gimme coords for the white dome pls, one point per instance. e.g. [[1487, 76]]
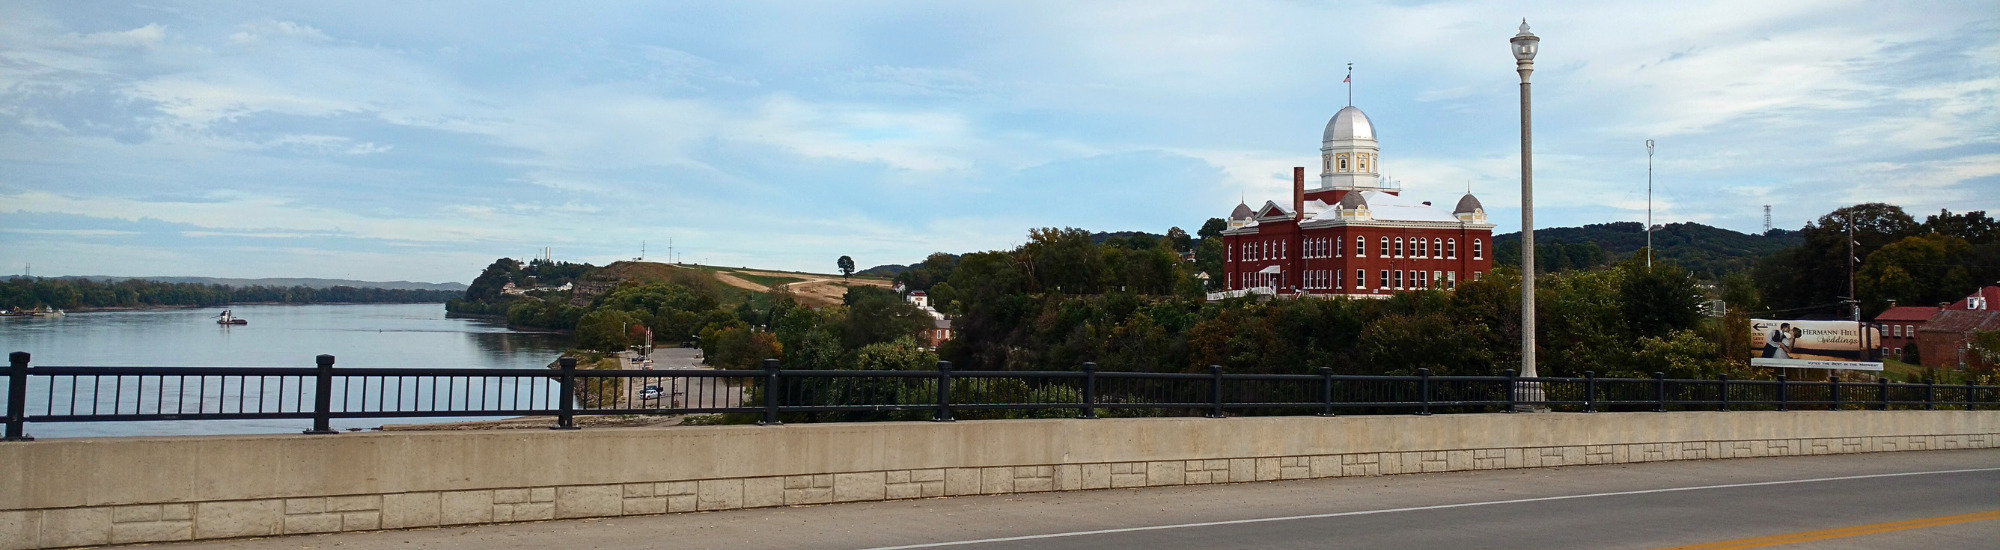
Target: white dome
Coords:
[[1347, 124]]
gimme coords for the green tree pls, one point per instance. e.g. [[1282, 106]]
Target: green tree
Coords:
[[1213, 228], [878, 315], [846, 265], [605, 330]]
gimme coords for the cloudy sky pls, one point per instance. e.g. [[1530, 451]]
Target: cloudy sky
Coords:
[[420, 140]]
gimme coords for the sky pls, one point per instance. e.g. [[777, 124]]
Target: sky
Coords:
[[422, 140]]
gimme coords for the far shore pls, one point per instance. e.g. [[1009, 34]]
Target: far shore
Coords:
[[230, 305]]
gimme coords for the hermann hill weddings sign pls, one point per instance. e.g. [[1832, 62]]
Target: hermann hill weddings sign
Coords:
[[1814, 344]]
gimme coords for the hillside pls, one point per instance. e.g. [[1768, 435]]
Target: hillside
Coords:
[[1709, 252], [737, 284]]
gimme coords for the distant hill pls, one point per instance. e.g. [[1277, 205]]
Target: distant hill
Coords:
[[884, 270], [1709, 252], [280, 282]]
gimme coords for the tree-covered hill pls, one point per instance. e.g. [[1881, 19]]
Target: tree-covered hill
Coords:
[[1708, 252]]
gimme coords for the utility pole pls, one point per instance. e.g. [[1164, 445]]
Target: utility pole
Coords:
[[1649, 204]]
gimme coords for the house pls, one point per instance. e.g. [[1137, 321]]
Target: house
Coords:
[[1987, 298], [1354, 234], [1899, 327], [939, 330], [1945, 341]]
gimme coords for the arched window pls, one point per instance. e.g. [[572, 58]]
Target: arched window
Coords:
[[1478, 250], [1437, 248], [1341, 159], [1360, 249], [1229, 253], [1339, 248], [1337, 276], [1326, 162], [1385, 247], [1399, 247], [1451, 248], [1363, 158]]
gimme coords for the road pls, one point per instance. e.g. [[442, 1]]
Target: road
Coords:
[[1936, 499]]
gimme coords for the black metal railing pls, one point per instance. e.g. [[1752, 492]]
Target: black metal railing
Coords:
[[322, 392]]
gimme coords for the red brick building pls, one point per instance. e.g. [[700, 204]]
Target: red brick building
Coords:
[[1944, 341], [1352, 235], [1899, 327]]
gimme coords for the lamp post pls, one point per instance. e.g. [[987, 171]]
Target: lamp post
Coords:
[[1524, 45]]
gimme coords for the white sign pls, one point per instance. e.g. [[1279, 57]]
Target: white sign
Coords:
[[1814, 344]]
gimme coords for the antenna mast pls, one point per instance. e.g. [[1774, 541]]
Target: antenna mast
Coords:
[[1767, 218]]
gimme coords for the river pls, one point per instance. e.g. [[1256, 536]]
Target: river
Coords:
[[359, 335]]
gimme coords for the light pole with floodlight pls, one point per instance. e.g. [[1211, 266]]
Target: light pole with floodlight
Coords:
[[1525, 45]]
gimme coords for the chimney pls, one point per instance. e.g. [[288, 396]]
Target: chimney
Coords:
[[1299, 191]]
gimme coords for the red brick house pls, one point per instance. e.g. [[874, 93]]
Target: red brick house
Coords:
[[1984, 299], [1899, 327], [1352, 235], [1944, 342]]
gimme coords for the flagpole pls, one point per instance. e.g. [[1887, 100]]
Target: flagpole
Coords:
[[1350, 84]]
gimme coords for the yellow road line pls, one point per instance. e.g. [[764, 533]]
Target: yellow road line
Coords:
[[1844, 532]]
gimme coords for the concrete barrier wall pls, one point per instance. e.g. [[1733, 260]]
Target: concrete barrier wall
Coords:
[[57, 493]]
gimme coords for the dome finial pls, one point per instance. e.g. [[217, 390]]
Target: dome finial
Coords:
[[1524, 28]]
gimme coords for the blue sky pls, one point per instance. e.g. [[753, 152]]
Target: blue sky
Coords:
[[420, 140]]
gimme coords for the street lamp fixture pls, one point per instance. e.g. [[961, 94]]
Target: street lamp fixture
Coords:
[[1525, 45]]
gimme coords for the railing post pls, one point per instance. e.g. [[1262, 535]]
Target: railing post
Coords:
[[1326, 391], [1882, 391], [1424, 392], [1660, 391], [1969, 388], [943, 393], [323, 397], [1930, 394], [1215, 391], [1089, 391], [17, 397], [1589, 392], [566, 405], [1722, 394], [770, 393], [1783, 399], [1513, 385], [1833, 388]]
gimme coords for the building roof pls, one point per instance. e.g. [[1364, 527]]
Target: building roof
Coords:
[[1386, 207], [1907, 314], [1347, 124], [1353, 200], [1959, 321], [1242, 212], [1991, 294], [1466, 204]]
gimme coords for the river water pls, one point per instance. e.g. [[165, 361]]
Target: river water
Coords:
[[365, 335]]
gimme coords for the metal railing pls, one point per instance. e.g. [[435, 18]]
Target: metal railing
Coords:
[[321, 393]]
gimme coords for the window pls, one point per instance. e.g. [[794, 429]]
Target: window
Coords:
[[1477, 275], [1230, 281], [1384, 280], [1437, 276], [1360, 249], [1417, 248], [1399, 247], [1284, 249], [1399, 278], [1451, 279], [1341, 159], [1326, 162], [1385, 247], [1478, 250], [1229, 253], [1451, 248], [1360, 278], [1363, 158], [1437, 248], [1339, 247], [1337, 276]]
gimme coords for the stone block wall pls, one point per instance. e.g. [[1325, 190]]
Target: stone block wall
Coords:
[[517, 498]]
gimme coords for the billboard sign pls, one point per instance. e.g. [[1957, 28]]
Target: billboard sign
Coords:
[[1814, 344]]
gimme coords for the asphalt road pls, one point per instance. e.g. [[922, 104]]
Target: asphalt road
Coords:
[[1935, 499]]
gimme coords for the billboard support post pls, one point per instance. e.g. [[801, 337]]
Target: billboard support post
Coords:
[[1722, 393], [1782, 398], [1930, 394], [1834, 388]]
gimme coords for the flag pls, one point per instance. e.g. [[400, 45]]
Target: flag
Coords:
[[1348, 80]]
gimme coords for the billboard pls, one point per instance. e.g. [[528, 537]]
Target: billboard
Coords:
[[1814, 344]]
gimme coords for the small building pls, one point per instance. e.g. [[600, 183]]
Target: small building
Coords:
[[1945, 342], [1899, 327], [939, 329], [1984, 299]]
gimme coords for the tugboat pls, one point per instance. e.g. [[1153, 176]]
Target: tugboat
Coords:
[[227, 319]]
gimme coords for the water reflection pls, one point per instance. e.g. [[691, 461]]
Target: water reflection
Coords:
[[385, 335]]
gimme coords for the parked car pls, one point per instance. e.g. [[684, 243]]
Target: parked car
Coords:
[[649, 393]]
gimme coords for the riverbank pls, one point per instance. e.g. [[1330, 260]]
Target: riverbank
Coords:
[[164, 307]]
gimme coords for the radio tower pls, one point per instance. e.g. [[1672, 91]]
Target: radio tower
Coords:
[[1767, 218]]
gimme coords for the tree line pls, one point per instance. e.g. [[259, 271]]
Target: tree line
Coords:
[[64, 293]]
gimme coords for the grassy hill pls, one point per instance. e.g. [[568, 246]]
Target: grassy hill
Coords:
[[1708, 251]]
